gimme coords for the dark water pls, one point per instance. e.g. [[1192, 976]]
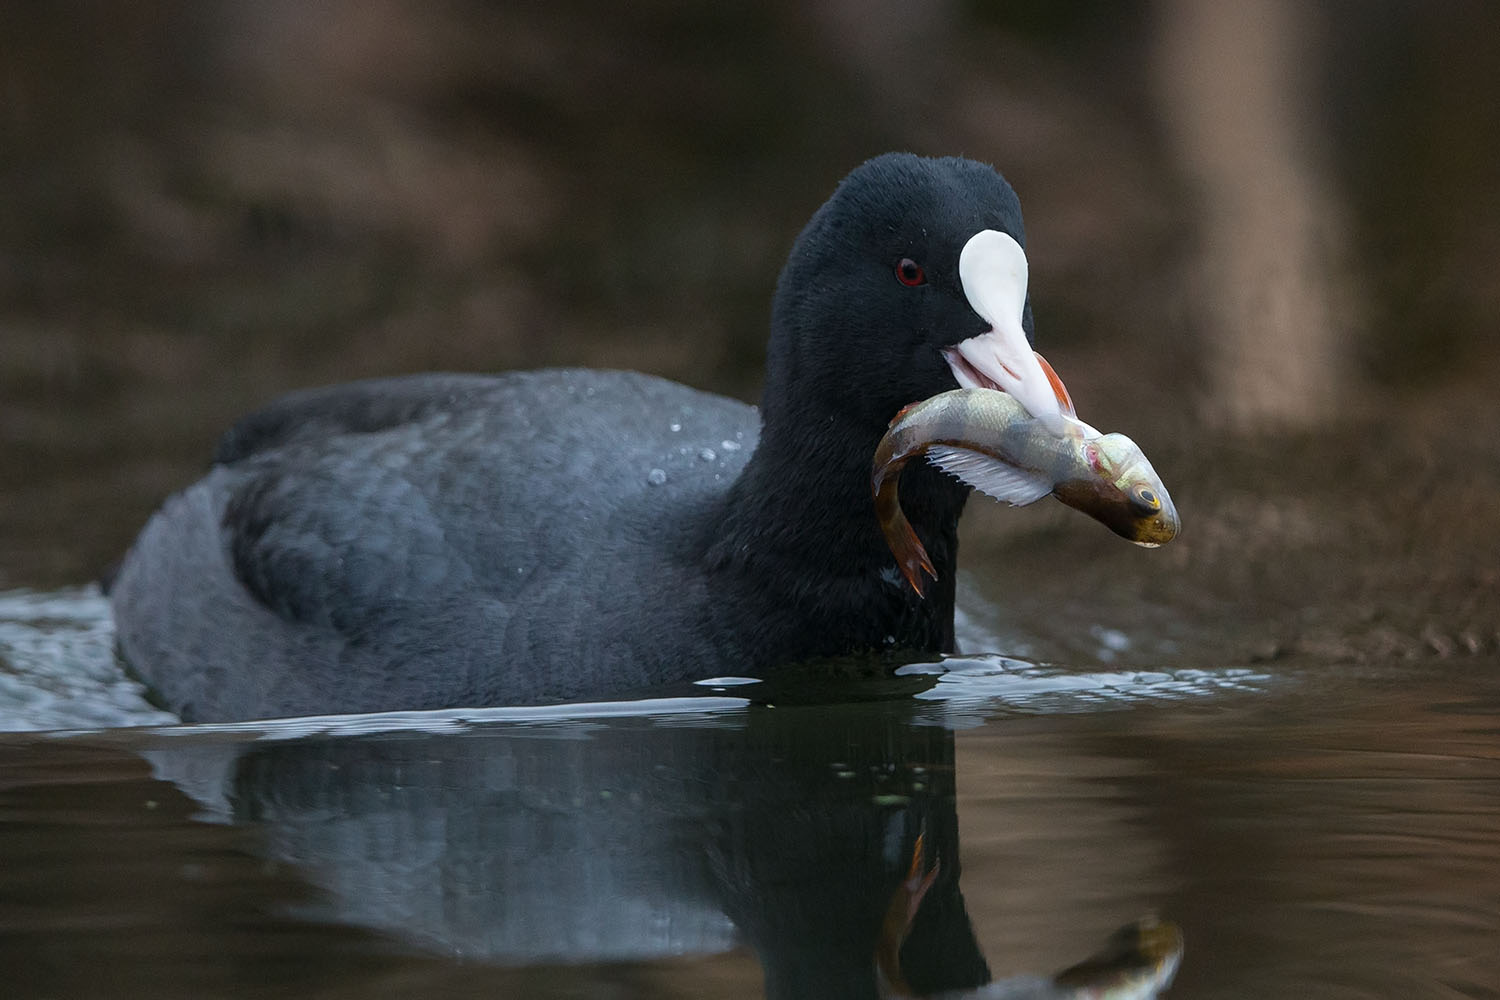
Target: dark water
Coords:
[[1313, 836]]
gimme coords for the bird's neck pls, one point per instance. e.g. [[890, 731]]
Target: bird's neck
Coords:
[[800, 523]]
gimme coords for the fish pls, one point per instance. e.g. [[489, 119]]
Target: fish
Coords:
[[1138, 961], [989, 440]]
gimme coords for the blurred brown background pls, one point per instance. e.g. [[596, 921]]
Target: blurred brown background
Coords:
[[1264, 216]]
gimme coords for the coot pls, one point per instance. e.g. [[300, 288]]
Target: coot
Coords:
[[459, 540]]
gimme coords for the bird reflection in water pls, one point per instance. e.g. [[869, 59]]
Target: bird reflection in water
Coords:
[[785, 832]]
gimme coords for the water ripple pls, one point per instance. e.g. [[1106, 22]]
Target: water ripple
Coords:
[[58, 668], [976, 687]]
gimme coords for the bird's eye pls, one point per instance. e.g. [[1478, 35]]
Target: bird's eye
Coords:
[[910, 273], [1146, 499]]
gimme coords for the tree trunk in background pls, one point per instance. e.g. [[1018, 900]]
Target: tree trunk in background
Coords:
[[1233, 90]]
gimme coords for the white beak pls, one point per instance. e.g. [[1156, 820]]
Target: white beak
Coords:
[[992, 268]]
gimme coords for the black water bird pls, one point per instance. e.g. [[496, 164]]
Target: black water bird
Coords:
[[455, 540]]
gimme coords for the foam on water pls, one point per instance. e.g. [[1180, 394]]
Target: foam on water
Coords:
[[973, 688], [58, 668]]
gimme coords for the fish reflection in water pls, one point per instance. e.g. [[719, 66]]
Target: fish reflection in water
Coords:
[[1137, 963]]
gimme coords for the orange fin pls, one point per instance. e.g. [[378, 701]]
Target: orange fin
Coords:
[[900, 536], [913, 558], [919, 881], [899, 914], [1058, 389], [918, 856], [902, 412]]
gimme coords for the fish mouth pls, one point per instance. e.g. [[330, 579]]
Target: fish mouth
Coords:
[[1111, 507], [992, 268]]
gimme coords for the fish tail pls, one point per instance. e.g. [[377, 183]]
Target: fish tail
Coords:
[[911, 555], [914, 560]]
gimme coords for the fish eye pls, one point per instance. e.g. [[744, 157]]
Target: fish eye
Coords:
[[1145, 498]]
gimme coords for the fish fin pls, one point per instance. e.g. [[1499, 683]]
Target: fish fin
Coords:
[[904, 410], [1058, 389], [912, 557], [990, 476], [918, 857], [919, 877]]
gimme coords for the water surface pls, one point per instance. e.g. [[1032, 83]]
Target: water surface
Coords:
[[1316, 830]]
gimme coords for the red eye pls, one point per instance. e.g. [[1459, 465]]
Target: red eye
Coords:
[[910, 273]]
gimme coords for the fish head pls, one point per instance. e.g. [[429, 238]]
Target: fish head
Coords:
[[1119, 489], [1139, 960]]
